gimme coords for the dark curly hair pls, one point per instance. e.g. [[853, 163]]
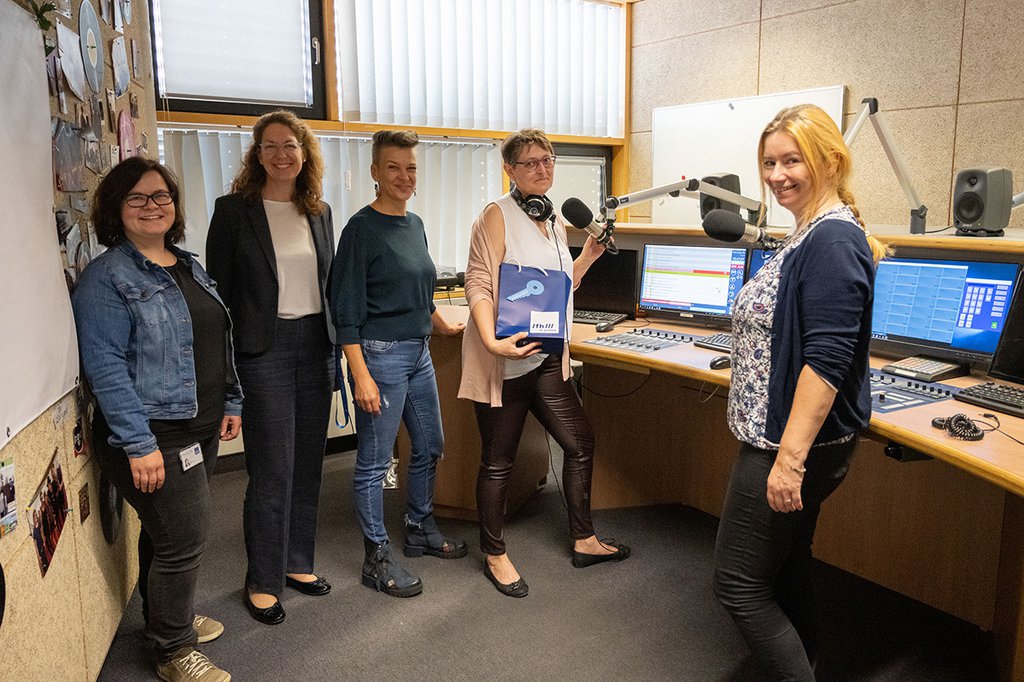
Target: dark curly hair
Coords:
[[109, 199], [309, 191]]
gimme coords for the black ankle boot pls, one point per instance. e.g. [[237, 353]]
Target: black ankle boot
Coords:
[[426, 538], [382, 573]]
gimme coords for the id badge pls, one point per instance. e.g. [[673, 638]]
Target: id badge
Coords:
[[190, 456]]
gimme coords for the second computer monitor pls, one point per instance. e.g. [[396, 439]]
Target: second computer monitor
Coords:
[[691, 283]]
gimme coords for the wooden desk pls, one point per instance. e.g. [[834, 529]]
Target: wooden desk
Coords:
[[947, 531]]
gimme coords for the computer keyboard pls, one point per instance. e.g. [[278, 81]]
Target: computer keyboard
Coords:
[[720, 342], [925, 368], [596, 316], [993, 396]]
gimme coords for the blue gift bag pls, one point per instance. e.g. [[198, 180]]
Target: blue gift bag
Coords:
[[533, 300]]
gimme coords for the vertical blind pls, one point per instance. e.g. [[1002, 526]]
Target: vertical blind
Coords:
[[558, 65], [455, 181], [234, 51]]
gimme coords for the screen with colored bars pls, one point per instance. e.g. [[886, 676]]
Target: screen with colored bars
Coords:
[[958, 306], [758, 257], [698, 283]]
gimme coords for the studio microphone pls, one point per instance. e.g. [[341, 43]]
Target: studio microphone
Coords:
[[726, 226], [582, 218]]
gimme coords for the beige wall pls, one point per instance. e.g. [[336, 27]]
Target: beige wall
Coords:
[[947, 74], [59, 627]]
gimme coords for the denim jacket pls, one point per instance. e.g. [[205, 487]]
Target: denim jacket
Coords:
[[135, 341]]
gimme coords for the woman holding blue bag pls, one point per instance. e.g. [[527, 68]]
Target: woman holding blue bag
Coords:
[[508, 377], [382, 300]]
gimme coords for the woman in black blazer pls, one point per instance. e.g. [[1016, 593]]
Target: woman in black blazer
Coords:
[[269, 249]]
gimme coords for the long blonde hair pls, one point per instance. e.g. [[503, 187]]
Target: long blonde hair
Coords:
[[827, 158]]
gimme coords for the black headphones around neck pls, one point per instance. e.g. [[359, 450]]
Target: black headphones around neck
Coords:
[[536, 206]]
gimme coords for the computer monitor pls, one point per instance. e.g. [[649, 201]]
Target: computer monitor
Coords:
[[695, 284], [758, 257], [609, 285], [954, 310]]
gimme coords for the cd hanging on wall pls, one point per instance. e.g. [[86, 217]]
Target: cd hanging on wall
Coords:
[[92, 45]]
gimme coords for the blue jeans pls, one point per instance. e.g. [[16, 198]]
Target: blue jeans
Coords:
[[763, 561], [284, 421], [404, 374]]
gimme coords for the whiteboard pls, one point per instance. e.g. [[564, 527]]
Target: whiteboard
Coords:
[[695, 140], [38, 348]]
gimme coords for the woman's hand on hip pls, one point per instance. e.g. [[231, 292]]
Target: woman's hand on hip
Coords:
[[367, 397], [509, 348], [230, 427], [784, 487], [148, 471]]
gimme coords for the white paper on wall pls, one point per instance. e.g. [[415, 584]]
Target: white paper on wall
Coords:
[[38, 347]]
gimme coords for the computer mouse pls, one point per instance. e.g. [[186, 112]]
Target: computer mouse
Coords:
[[721, 362], [604, 326]]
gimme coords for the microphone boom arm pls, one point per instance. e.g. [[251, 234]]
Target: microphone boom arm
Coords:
[[689, 188], [869, 111]]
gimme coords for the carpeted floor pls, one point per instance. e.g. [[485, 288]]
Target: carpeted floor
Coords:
[[652, 617]]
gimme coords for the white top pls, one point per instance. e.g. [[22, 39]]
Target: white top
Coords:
[[297, 278], [527, 245]]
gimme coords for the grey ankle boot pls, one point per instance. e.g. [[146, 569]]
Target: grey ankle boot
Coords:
[[382, 572]]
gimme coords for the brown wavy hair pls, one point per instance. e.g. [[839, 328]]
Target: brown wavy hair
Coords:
[[827, 157], [118, 183], [309, 193], [516, 142]]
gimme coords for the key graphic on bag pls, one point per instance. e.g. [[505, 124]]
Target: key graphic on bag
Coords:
[[533, 288]]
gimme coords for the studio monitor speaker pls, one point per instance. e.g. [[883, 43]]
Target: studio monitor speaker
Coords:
[[982, 199], [729, 181]]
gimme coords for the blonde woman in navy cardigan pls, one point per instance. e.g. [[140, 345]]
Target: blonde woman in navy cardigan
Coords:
[[800, 392]]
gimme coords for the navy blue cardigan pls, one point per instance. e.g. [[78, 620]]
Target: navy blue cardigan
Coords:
[[823, 319]]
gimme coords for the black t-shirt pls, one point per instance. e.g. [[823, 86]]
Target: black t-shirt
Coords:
[[209, 350]]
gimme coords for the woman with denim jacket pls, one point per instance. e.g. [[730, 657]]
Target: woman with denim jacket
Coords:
[[154, 338], [382, 297]]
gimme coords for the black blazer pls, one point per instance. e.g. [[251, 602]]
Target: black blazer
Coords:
[[240, 257]]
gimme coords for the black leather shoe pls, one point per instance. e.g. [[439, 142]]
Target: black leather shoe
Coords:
[[272, 615], [426, 538], [518, 589], [313, 588], [582, 560]]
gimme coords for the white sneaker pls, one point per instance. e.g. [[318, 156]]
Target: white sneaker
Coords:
[[189, 665], [207, 628]]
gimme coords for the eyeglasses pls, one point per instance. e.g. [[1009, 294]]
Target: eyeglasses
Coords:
[[140, 200], [287, 148], [533, 164]]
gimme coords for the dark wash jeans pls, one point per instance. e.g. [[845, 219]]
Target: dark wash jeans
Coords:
[[175, 521], [763, 562], [556, 406], [284, 422]]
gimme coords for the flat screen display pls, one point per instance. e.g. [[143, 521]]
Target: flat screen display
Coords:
[[696, 283], [609, 285], [948, 308], [758, 257]]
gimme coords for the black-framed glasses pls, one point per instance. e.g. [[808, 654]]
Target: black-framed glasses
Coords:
[[161, 198], [533, 164]]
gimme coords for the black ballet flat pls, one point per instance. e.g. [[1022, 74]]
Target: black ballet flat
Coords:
[[582, 559], [313, 588], [518, 589], [272, 615]]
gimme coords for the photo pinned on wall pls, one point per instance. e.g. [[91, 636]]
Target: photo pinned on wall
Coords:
[[70, 50], [115, 154], [47, 512], [94, 131], [119, 58], [118, 16], [92, 156], [107, 155], [64, 225], [68, 159], [136, 60], [8, 498], [144, 147], [133, 104], [107, 11], [71, 244], [126, 11], [63, 7], [112, 110], [126, 135], [83, 503]]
